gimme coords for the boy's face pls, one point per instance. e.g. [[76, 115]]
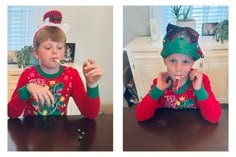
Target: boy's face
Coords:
[[178, 65], [48, 51]]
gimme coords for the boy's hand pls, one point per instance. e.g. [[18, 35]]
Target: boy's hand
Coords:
[[196, 78], [162, 82], [40, 94], [92, 73]]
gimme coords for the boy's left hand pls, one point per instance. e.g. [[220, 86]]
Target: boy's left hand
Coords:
[[196, 78], [92, 73]]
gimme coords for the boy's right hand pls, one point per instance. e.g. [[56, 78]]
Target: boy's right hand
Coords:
[[162, 82], [40, 94]]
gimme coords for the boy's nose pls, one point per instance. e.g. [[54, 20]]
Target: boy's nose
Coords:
[[54, 50], [178, 66]]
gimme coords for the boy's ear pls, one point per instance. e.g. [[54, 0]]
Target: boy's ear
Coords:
[[35, 54]]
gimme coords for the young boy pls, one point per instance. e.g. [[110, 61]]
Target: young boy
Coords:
[[45, 89], [181, 87]]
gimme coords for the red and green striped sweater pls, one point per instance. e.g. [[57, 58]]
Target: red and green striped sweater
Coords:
[[185, 97], [64, 84]]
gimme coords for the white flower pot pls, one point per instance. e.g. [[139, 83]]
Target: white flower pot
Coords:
[[187, 23]]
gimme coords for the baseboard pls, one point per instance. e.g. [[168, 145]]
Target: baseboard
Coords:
[[224, 105]]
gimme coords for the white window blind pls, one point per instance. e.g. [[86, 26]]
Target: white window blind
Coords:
[[202, 14], [22, 24]]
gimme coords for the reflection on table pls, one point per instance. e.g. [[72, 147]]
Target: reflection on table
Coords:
[[174, 130], [60, 133]]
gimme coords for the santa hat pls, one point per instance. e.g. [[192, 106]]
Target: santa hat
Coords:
[[183, 40], [52, 18]]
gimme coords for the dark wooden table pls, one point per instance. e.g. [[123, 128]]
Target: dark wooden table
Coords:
[[172, 130], [60, 133]]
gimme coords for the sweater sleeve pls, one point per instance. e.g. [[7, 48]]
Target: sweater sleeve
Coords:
[[19, 98], [87, 102], [209, 106], [148, 105]]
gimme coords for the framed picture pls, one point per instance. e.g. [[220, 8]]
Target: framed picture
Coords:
[[69, 52], [11, 57], [208, 28]]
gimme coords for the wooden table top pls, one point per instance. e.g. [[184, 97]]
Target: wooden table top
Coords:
[[174, 130], [60, 133]]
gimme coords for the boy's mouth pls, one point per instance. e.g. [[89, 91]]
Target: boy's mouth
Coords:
[[178, 77], [59, 61], [54, 58]]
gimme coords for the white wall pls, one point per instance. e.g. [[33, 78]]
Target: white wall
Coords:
[[135, 22], [92, 31]]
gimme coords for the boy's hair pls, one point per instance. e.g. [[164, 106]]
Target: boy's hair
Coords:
[[53, 33], [182, 40]]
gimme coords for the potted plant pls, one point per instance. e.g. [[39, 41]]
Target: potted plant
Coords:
[[221, 31], [182, 15], [24, 55], [176, 11]]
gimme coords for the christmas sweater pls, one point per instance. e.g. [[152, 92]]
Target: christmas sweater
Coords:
[[64, 84], [186, 97]]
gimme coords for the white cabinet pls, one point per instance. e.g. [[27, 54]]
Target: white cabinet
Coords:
[[146, 63], [145, 67], [215, 65], [14, 74]]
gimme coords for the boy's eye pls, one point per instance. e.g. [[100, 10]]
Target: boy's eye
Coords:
[[186, 61], [60, 47], [172, 60]]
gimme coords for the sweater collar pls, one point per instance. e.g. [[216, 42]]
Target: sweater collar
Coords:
[[38, 68]]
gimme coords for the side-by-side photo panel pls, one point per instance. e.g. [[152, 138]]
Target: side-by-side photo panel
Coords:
[[175, 78], [60, 78]]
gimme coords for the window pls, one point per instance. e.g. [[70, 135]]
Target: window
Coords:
[[202, 14], [22, 24]]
